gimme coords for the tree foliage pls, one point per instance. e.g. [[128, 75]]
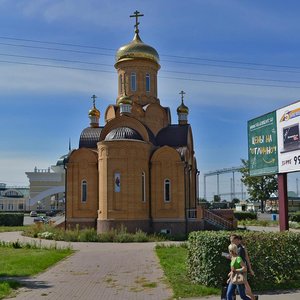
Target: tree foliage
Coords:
[[258, 187]]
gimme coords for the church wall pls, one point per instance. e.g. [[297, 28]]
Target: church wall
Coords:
[[123, 204], [82, 166], [167, 165]]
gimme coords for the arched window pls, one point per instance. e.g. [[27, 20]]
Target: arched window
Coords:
[[133, 82], [147, 82], [143, 187], [167, 190], [83, 191], [121, 84]]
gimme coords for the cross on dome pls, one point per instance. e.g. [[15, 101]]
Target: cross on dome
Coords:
[[136, 15], [94, 99], [182, 93]]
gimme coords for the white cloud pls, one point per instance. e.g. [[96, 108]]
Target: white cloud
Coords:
[[16, 79]]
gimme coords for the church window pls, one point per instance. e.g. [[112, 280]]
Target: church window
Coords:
[[120, 84], [83, 191], [147, 82], [167, 190], [117, 182], [143, 187], [133, 82]]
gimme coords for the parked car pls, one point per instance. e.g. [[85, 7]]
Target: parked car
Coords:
[[40, 219], [33, 214], [51, 213]]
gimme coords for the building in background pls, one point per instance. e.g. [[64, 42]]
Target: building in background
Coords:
[[13, 198], [47, 187]]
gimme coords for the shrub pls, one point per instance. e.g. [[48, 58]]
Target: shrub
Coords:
[[275, 257], [245, 215], [295, 217], [11, 219]]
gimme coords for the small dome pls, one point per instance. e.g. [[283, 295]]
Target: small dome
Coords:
[[137, 49], [182, 109], [123, 133], [124, 100], [94, 112]]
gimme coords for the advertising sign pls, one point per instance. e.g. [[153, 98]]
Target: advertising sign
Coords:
[[288, 120], [262, 145]]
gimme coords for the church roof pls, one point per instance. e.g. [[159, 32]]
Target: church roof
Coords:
[[122, 133], [173, 136], [89, 137]]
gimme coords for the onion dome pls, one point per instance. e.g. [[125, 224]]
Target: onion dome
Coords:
[[182, 111], [124, 100], [123, 133], [137, 49], [94, 114]]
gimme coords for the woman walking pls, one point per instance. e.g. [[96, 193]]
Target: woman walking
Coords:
[[237, 266]]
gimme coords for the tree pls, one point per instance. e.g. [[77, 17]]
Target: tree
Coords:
[[235, 200], [258, 187]]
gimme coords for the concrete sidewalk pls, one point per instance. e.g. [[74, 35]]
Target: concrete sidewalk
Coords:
[[106, 271], [98, 271]]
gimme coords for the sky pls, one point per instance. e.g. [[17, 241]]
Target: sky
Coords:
[[235, 60]]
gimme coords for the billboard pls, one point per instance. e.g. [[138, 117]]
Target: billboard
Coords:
[[288, 123], [262, 145]]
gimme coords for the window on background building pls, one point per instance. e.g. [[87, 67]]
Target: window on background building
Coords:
[[143, 187], [167, 190], [1, 206], [133, 82], [10, 206], [83, 191], [21, 206], [147, 82]]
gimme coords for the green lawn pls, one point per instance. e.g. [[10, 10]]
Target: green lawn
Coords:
[[12, 228], [173, 262], [25, 262]]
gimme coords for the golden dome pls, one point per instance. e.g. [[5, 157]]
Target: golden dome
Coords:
[[182, 109], [124, 100], [137, 49], [94, 112]]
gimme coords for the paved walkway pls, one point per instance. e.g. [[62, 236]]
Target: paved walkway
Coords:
[[107, 271]]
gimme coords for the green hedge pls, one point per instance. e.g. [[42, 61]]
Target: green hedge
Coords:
[[8, 219], [245, 215], [295, 217], [275, 258]]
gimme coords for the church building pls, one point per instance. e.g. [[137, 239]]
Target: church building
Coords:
[[138, 170]]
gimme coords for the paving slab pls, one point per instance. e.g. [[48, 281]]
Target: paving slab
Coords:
[[98, 271]]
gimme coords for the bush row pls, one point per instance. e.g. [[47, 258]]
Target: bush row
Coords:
[[275, 258], [245, 215], [89, 235], [295, 217], [8, 219]]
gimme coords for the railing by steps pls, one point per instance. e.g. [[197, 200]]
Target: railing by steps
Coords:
[[219, 221]]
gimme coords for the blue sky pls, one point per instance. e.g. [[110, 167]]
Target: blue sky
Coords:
[[245, 46]]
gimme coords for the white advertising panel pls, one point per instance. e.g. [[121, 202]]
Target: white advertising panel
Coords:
[[288, 136]]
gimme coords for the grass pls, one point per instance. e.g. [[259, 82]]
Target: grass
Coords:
[[173, 261], [7, 287], [12, 228], [25, 260]]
